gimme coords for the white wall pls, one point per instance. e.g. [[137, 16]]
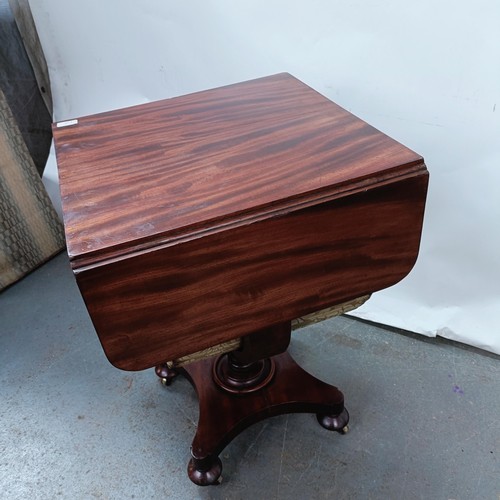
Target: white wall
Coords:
[[426, 73]]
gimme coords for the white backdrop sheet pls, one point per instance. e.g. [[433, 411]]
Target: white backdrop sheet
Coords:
[[426, 73]]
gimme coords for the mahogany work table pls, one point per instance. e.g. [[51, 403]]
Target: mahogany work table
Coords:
[[227, 214]]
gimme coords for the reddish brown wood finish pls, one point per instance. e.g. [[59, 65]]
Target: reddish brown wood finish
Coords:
[[176, 300], [260, 380], [223, 416], [202, 218], [135, 177]]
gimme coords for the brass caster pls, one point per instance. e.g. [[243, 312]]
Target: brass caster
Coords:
[[165, 373]]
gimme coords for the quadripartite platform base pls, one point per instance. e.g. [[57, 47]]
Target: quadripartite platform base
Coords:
[[235, 392]]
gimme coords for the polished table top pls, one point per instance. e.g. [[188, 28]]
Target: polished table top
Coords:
[[134, 176], [197, 219]]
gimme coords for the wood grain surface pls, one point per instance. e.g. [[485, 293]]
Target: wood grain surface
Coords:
[[135, 177], [165, 303], [200, 219]]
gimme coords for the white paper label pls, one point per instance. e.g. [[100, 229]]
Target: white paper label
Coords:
[[67, 123]]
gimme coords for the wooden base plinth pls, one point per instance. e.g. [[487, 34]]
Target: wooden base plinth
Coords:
[[225, 412]]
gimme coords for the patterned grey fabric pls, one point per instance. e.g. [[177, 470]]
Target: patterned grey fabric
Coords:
[[19, 85], [30, 230]]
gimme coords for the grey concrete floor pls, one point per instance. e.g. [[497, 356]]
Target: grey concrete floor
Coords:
[[424, 415]]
